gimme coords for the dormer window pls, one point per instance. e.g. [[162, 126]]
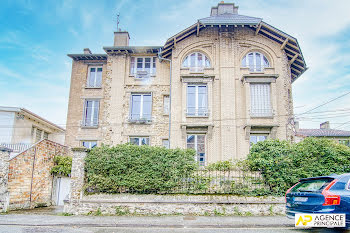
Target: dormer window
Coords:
[[143, 67], [255, 61], [196, 61]]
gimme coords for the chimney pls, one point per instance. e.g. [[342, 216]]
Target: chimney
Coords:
[[224, 8], [325, 125], [87, 51], [121, 38]]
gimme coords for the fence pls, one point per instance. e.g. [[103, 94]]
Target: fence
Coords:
[[19, 147], [204, 181]]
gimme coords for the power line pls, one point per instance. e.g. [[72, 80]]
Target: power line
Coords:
[[326, 103]]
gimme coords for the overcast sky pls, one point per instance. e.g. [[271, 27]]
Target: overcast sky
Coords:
[[35, 37]]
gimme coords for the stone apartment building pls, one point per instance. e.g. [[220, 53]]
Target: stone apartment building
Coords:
[[217, 86]]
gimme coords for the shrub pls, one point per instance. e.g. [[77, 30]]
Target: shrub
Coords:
[[142, 169], [63, 165], [282, 164]]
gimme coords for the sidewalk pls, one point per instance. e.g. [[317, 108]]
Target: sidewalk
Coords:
[[145, 222]]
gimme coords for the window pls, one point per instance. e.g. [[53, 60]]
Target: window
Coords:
[[196, 61], [142, 67], [166, 104], [139, 141], [197, 100], [89, 144], [94, 77], [260, 100], [255, 138], [38, 135], [91, 109], [255, 61], [141, 107], [165, 143], [197, 142]]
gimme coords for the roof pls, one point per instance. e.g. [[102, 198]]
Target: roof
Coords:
[[87, 57], [132, 49], [230, 19], [32, 115], [323, 133], [288, 43]]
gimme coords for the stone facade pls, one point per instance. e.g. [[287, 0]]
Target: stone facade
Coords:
[[125, 204], [229, 123], [4, 170], [30, 180]]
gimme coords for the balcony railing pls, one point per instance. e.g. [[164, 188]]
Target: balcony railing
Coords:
[[261, 112], [89, 123], [17, 147], [256, 68], [197, 112], [197, 69], [138, 118]]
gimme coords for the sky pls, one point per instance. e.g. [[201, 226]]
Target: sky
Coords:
[[37, 35]]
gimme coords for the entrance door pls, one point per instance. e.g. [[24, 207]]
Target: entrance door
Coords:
[[62, 189]]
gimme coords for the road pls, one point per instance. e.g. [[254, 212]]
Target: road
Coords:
[[33, 223]]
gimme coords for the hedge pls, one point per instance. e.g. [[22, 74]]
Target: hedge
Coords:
[[130, 168], [282, 164]]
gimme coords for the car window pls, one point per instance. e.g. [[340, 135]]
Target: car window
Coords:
[[316, 185]]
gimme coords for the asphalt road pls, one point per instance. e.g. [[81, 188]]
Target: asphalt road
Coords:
[[30, 223]]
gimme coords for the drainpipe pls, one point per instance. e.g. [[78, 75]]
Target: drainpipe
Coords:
[[165, 59]]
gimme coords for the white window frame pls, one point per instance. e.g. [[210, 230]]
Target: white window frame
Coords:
[[198, 66], [89, 142], [95, 78], [196, 147], [165, 143], [266, 135], [133, 66], [196, 114], [141, 106], [140, 140], [84, 123], [253, 67], [260, 106]]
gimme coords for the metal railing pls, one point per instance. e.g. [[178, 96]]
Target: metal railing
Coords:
[[261, 112], [204, 181], [144, 118], [197, 112], [17, 147]]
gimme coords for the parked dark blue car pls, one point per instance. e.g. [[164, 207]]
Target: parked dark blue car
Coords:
[[320, 195]]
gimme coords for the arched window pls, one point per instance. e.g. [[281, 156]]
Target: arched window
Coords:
[[196, 60], [255, 61]]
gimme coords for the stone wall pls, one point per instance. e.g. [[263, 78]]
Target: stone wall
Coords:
[[120, 204], [4, 169], [29, 177]]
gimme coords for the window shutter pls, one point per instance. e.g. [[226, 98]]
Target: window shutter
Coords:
[[260, 100]]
